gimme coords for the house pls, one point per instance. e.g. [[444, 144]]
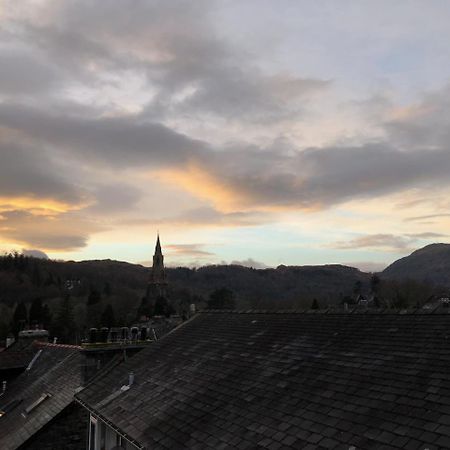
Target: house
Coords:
[[37, 410], [16, 357], [280, 381]]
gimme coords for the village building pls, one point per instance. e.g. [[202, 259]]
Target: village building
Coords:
[[37, 409], [280, 381]]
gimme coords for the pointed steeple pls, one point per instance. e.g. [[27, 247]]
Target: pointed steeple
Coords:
[[158, 246], [158, 275]]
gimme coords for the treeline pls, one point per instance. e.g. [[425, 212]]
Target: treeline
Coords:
[[70, 297]]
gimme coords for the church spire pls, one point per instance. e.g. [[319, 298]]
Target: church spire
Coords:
[[158, 272], [158, 246]]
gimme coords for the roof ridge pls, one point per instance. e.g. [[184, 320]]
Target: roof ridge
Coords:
[[331, 311], [50, 344]]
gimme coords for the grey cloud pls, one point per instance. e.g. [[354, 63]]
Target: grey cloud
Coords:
[[385, 241], [123, 142], [427, 235], [424, 126], [114, 198], [35, 253], [176, 46], [376, 241], [32, 171], [426, 217], [204, 216], [250, 262], [63, 232], [323, 177], [211, 216], [192, 250], [21, 73], [367, 266]]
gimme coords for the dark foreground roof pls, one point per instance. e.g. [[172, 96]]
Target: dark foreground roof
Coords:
[[286, 380], [49, 385], [10, 359]]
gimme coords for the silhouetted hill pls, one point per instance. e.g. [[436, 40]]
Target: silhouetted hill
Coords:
[[429, 264], [283, 287]]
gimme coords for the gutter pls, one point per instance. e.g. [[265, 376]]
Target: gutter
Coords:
[[111, 425]]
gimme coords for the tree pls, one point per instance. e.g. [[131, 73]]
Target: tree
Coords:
[[46, 319], [36, 312], [162, 307], [222, 298], [357, 288], [36, 277], [375, 283], [64, 326], [145, 309], [20, 318], [94, 297], [108, 319], [107, 289]]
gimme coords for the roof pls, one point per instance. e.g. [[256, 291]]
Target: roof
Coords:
[[39, 394], [285, 380], [10, 359]]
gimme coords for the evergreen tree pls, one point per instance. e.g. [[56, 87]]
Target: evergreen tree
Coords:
[[20, 318], [94, 297], [107, 289], [64, 326], [36, 312], [36, 277], [221, 299], [108, 319], [162, 307], [145, 308], [46, 317]]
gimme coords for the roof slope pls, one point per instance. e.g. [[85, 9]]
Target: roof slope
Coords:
[[55, 371], [10, 359], [286, 380]]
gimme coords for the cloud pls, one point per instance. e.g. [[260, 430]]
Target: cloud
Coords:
[[100, 108], [427, 235], [31, 172], [51, 233], [250, 262], [35, 253], [24, 73], [426, 217], [107, 141], [388, 242], [368, 266], [191, 250]]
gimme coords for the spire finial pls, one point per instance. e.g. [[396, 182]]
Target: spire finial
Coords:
[[158, 244]]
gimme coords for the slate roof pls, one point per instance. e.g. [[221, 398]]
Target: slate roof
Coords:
[[10, 359], [55, 372], [286, 380]]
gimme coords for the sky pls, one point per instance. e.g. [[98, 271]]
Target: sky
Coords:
[[257, 132]]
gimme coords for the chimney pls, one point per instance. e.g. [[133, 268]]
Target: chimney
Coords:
[[130, 379]]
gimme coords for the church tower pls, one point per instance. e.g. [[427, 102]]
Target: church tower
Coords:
[[157, 284]]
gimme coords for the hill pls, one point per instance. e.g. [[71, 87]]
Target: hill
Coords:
[[430, 264], [24, 278]]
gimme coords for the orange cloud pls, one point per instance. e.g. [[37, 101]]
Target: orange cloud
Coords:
[[197, 181], [38, 206], [225, 197]]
